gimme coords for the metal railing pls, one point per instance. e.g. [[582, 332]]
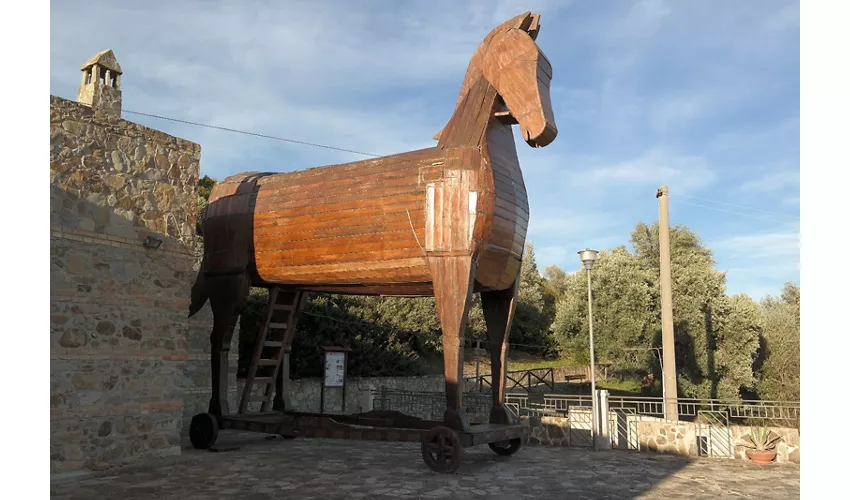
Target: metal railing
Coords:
[[432, 405], [522, 379], [429, 405], [739, 411]]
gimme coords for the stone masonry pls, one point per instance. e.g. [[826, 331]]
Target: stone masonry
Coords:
[[119, 332]]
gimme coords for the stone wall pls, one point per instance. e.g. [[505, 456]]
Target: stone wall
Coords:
[[119, 342], [692, 440], [651, 434], [306, 393]]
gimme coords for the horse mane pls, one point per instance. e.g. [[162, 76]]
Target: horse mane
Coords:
[[527, 21]]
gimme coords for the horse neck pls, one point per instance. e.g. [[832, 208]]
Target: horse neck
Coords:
[[471, 118]]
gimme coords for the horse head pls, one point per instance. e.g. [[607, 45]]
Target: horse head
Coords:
[[510, 60]]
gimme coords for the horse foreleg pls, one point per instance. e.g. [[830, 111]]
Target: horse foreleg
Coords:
[[499, 309], [453, 279], [227, 297]]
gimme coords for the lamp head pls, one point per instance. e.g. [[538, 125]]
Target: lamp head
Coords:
[[588, 257]]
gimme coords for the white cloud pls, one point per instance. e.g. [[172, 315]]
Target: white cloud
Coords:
[[758, 264], [760, 246], [654, 168], [570, 225], [773, 181]]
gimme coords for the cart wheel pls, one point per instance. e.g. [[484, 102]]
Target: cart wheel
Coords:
[[506, 448], [203, 431], [441, 449]]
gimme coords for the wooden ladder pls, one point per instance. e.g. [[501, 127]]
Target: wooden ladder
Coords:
[[275, 341]]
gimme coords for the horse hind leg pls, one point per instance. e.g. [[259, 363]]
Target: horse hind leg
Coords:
[[499, 307], [453, 279], [227, 296]]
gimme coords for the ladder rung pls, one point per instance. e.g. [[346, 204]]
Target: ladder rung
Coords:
[[273, 343], [262, 380], [268, 362], [283, 307], [277, 325]]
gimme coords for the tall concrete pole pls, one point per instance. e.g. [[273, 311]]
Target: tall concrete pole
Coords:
[[668, 350]]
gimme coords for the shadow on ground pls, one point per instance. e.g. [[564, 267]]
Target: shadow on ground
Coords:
[[259, 468]]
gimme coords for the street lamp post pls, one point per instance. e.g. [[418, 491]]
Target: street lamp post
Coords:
[[588, 257]]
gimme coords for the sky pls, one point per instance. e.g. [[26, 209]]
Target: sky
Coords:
[[703, 97]]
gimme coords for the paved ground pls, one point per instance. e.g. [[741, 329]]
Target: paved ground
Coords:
[[334, 469]]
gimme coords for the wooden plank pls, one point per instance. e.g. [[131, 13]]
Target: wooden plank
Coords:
[[355, 168], [264, 202], [333, 226], [365, 184], [403, 245], [381, 202], [374, 271], [283, 218]]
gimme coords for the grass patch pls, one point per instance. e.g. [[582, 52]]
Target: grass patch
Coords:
[[517, 360], [547, 363], [615, 387]]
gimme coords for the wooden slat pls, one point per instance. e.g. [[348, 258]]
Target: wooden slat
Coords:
[[379, 201], [344, 227], [284, 203], [399, 173], [402, 237], [353, 168], [274, 218]]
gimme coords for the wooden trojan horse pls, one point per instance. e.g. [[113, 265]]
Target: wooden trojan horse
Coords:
[[445, 221]]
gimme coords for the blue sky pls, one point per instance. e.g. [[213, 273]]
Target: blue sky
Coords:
[[701, 96]]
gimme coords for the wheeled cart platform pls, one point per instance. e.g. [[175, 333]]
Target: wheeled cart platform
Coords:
[[269, 372], [441, 446]]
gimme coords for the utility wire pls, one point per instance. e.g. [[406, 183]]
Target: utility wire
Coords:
[[736, 206], [293, 141], [734, 213]]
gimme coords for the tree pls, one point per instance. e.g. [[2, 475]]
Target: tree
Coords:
[[736, 343], [624, 313], [205, 186], [779, 370], [716, 336], [531, 323], [712, 345], [554, 285]]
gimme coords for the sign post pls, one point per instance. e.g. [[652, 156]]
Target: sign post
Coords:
[[336, 366]]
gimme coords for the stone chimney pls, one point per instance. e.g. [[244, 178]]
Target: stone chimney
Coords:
[[101, 85]]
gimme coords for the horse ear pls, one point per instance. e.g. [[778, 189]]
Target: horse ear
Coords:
[[531, 25]]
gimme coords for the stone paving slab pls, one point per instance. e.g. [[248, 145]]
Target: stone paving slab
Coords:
[[336, 469]]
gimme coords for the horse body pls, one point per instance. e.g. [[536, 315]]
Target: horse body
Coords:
[[368, 227], [445, 221]]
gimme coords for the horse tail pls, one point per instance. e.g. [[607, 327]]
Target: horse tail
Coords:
[[199, 292]]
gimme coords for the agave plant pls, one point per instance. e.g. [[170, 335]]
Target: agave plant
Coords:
[[761, 439]]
